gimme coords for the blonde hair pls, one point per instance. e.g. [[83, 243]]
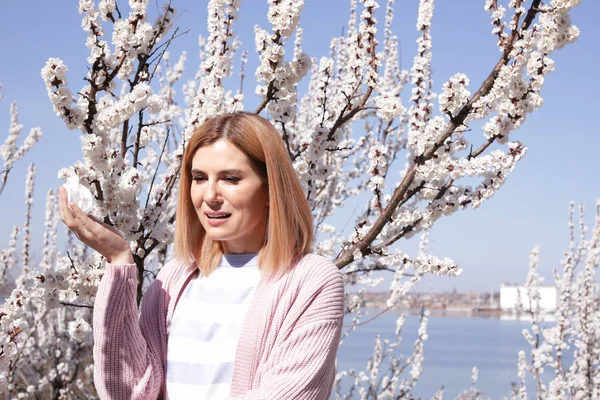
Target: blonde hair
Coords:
[[289, 225]]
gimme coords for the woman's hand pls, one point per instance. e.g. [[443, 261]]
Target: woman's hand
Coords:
[[103, 238]]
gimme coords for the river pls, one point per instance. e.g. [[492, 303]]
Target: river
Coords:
[[454, 346]]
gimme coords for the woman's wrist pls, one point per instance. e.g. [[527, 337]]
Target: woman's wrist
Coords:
[[123, 258]]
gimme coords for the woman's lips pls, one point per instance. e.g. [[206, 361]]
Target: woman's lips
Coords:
[[217, 218]]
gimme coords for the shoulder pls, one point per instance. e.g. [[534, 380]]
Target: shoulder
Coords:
[[313, 263], [318, 271], [316, 289]]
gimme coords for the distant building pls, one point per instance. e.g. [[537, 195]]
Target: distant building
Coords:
[[510, 294]]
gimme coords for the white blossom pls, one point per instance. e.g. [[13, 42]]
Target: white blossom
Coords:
[[79, 329]]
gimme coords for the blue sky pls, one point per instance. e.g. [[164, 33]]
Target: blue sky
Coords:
[[491, 244]]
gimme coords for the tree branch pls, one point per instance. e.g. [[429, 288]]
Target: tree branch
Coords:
[[346, 256]]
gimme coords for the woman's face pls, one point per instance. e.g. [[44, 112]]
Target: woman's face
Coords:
[[230, 199]]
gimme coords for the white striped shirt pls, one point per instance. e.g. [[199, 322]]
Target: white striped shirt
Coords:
[[206, 328]]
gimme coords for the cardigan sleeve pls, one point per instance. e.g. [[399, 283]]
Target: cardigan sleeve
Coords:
[[301, 364], [128, 349]]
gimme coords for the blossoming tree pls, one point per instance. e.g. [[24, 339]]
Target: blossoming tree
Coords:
[[345, 137], [570, 349]]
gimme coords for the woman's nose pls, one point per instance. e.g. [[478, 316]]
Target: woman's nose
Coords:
[[212, 194]]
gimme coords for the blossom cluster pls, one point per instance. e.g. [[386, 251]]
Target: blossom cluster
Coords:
[[9, 151], [115, 113], [277, 79], [377, 161], [335, 95], [209, 95], [420, 76], [455, 94], [8, 257], [54, 75], [388, 383]]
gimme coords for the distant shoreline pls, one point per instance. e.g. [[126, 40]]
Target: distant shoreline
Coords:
[[458, 313]]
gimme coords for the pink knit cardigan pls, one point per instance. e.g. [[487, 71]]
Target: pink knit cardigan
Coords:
[[287, 347]]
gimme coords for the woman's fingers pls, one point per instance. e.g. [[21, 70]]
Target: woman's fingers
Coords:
[[65, 213], [75, 219], [101, 237], [79, 215]]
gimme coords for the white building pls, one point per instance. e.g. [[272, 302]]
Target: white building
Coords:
[[510, 294]]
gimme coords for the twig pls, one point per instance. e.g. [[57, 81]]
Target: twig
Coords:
[[64, 303]]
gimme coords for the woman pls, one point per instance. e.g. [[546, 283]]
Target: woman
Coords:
[[244, 311]]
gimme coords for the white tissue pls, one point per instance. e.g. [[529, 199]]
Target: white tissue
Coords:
[[79, 194]]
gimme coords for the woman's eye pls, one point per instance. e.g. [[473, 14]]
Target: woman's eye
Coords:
[[232, 179], [198, 178]]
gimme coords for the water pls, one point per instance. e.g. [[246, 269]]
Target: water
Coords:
[[454, 347]]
